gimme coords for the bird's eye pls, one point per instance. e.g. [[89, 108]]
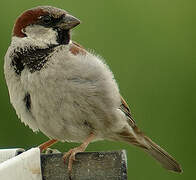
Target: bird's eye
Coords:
[[46, 20]]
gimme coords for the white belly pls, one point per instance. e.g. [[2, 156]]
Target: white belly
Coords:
[[71, 97]]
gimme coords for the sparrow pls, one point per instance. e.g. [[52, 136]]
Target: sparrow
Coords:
[[59, 88]]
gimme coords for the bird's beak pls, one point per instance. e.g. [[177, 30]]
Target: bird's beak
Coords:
[[68, 22]]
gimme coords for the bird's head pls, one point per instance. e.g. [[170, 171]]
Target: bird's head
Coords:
[[45, 24]]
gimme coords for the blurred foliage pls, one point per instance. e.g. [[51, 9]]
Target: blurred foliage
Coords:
[[149, 47]]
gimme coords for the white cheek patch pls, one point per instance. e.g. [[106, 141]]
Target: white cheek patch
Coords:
[[40, 33]]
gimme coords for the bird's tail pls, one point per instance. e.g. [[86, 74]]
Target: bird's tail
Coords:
[[166, 160], [140, 140]]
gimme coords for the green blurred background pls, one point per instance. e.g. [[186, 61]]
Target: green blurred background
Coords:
[[149, 46]]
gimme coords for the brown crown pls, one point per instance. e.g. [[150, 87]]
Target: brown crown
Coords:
[[31, 16], [27, 18]]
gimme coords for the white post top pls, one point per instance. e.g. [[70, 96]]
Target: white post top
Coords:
[[22, 167]]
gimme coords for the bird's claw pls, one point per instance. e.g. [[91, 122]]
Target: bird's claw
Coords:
[[72, 153], [72, 157]]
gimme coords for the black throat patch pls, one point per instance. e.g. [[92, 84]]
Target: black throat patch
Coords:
[[32, 58]]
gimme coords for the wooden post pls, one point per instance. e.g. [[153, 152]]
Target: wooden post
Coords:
[[88, 166]]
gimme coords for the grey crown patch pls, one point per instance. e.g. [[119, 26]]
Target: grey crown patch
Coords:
[[32, 58]]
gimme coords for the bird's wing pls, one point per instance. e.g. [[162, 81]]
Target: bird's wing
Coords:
[[76, 49], [125, 108]]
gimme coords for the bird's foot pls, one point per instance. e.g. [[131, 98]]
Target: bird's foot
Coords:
[[72, 152], [51, 151], [71, 155]]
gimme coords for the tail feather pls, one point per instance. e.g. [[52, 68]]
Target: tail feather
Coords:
[[166, 160], [140, 140]]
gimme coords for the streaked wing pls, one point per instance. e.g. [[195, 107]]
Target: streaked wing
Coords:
[[125, 108], [76, 49]]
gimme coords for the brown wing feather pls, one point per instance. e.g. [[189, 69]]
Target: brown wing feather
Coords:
[[76, 49], [125, 108]]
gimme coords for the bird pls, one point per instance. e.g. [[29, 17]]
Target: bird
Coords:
[[65, 91]]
